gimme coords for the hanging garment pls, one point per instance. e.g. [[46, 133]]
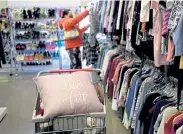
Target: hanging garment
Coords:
[[102, 17], [135, 28], [146, 84], [145, 114], [170, 50], [101, 56], [177, 36], [159, 59], [111, 17], [106, 59], [119, 15], [165, 22], [123, 88], [124, 21], [169, 122], [175, 15], [176, 121], [115, 16], [180, 130], [89, 53], [115, 32], [99, 7], [116, 91], [132, 85], [145, 9], [156, 111], [111, 74], [132, 96], [107, 13], [130, 12], [117, 71], [109, 66], [178, 124], [94, 28]]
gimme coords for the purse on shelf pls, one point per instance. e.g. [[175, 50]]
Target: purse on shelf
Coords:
[[71, 34]]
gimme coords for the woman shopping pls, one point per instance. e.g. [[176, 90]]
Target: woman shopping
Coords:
[[73, 35]]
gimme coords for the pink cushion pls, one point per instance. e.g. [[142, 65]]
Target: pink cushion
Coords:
[[68, 94]]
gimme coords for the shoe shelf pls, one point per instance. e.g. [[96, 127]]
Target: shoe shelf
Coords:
[[37, 29], [34, 13], [35, 36], [35, 19], [36, 58]]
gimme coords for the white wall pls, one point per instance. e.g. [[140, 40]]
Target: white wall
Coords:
[[44, 3]]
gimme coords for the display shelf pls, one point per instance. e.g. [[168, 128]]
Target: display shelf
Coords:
[[36, 29], [35, 20], [31, 40], [33, 51], [30, 33]]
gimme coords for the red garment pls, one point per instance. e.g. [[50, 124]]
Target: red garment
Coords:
[[115, 62], [70, 24], [176, 121], [117, 71], [107, 71], [109, 67], [169, 123], [122, 64]]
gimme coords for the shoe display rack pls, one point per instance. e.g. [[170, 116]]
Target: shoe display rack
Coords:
[[6, 33], [35, 36]]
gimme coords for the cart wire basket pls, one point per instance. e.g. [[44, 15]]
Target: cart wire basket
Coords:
[[92, 123]]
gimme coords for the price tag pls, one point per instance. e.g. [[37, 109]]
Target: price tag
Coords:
[[181, 63]]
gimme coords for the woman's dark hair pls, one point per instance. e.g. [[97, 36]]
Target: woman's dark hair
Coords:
[[65, 12]]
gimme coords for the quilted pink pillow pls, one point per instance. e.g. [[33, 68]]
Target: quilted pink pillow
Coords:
[[68, 94]]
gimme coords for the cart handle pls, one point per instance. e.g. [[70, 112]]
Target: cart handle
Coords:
[[72, 70]]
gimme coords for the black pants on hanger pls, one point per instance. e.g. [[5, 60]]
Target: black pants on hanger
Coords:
[[177, 73]]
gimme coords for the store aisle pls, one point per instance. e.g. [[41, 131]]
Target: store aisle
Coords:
[[18, 95]]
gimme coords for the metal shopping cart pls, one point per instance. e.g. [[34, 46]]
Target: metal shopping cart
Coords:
[[92, 123]]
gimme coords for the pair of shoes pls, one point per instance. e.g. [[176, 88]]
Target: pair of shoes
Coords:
[[51, 13], [47, 55], [20, 57], [54, 36], [27, 14], [41, 45], [50, 45], [17, 13], [23, 25], [20, 47], [41, 25], [26, 57], [23, 35], [35, 34], [38, 56], [36, 12], [32, 46], [29, 57], [56, 54], [44, 34]]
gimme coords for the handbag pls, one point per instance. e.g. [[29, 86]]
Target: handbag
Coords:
[[71, 34]]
